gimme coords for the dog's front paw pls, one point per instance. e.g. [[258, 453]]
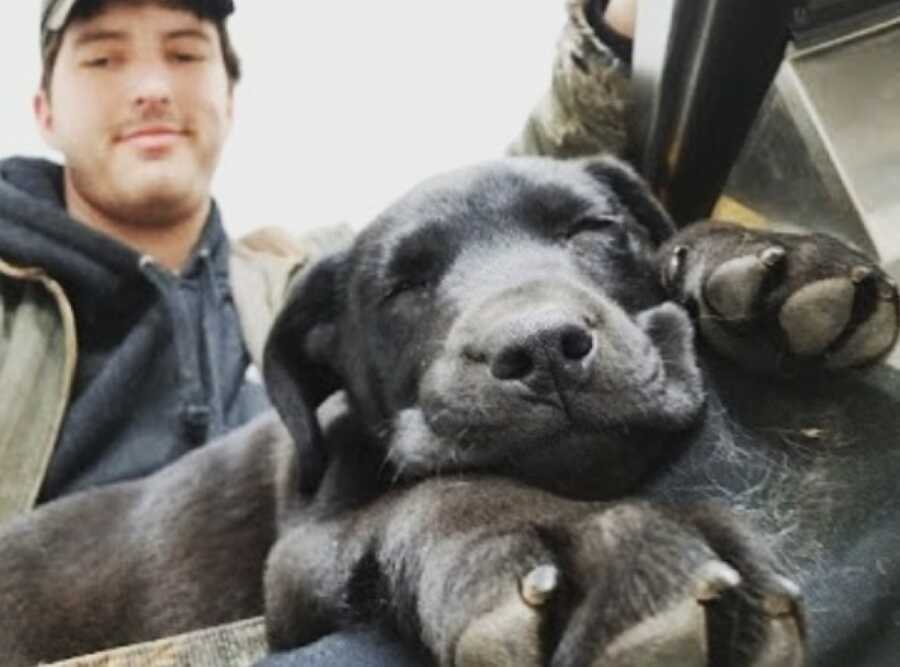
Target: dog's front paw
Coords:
[[620, 587], [782, 302], [509, 633]]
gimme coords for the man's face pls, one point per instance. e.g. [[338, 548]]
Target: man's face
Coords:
[[140, 105]]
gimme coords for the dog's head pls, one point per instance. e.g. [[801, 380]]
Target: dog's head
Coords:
[[505, 317]]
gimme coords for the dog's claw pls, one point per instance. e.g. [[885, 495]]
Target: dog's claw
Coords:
[[772, 256], [785, 644], [783, 600], [860, 274], [777, 605], [888, 291], [672, 275], [713, 579], [539, 585]]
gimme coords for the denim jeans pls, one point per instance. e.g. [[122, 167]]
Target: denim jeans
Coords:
[[365, 647]]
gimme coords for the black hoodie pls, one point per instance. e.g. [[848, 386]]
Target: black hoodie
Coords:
[[162, 367]]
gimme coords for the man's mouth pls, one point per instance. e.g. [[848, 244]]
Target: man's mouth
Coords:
[[152, 138]]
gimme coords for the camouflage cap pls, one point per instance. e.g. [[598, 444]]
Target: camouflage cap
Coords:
[[55, 13]]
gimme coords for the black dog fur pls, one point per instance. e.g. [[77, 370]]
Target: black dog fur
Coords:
[[514, 319]]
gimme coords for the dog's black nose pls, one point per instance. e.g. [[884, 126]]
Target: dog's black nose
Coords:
[[551, 354]]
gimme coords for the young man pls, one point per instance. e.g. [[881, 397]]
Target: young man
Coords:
[[128, 320]]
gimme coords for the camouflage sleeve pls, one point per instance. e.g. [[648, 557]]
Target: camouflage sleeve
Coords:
[[583, 112]]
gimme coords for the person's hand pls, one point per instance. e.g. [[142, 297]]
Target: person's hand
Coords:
[[620, 15]]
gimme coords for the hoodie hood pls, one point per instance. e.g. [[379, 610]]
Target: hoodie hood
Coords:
[[37, 231]]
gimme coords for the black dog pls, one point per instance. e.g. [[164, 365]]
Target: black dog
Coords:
[[515, 319], [505, 336]]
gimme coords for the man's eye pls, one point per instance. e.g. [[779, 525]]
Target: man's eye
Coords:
[[184, 57], [97, 62]]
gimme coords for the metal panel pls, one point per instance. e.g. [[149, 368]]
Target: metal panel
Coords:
[[817, 18], [786, 176], [851, 93]]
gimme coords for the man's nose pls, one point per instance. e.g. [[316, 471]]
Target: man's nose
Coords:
[[152, 86], [547, 353]]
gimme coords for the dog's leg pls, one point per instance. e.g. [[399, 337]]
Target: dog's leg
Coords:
[[309, 578], [486, 572], [177, 551]]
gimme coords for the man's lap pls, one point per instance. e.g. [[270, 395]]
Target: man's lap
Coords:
[[365, 647]]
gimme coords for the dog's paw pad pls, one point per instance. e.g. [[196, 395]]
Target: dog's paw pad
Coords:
[[876, 330], [509, 634], [675, 636], [816, 314], [850, 321], [869, 342], [733, 289]]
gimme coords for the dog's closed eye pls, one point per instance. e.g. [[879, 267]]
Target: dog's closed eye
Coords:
[[588, 224], [416, 264], [405, 286]]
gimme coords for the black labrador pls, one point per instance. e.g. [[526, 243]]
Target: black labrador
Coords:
[[510, 350]]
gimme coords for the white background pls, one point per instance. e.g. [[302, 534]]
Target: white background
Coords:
[[345, 104]]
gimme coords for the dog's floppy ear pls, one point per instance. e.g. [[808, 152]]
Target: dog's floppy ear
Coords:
[[297, 366], [635, 194]]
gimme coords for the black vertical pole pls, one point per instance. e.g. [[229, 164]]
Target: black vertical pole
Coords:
[[700, 71]]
